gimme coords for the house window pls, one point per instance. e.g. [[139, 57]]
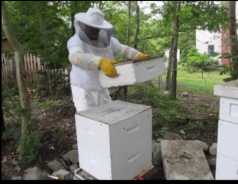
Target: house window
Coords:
[[211, 49]]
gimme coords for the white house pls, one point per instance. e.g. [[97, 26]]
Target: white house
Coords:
[[213, 42], [208, 42], [178, 54]]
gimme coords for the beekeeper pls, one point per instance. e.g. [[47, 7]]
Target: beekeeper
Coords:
[[92, 49]]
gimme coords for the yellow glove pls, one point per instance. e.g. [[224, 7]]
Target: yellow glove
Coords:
[[141, 56], [106, 65]]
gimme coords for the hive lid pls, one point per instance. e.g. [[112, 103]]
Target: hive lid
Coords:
[[114, 112], [228, 89]]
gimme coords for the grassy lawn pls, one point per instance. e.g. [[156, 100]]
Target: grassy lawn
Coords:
[[193, 82]]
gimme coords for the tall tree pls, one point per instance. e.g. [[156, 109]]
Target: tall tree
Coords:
[[233, 39], [192, 15], [129, 23], [24, 97], [125, 88], [173, 50], [137, 24]]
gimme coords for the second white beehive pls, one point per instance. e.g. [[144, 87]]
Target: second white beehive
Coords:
[[115, 140]]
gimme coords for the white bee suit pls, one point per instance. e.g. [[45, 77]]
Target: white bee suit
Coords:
[[84, 55]]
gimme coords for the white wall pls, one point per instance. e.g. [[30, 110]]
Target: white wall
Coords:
[[237, 14], [178, 54], [237, 11], [205, 38]]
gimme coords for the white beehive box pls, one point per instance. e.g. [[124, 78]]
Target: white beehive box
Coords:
[[115, 140], [132, 73], [227, 147]]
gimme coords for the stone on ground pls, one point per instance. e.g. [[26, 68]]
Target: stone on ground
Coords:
[[35, 174], [16, 178], [184, 160], [156, 153], [73, 168], [55, 165], [213, 149], [203, 145], [63, 174], [185, 94], [71, 156], [212, 162], [172, 136]]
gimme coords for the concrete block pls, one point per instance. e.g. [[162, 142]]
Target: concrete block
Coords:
[[55, 165], [184, 160]]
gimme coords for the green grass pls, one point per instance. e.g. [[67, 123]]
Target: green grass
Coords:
[[193, 82]]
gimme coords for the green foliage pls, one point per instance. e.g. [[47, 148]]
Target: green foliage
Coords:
[[43, 27], [166, 109], [12, 132], [197, 61], [192, 81], [31, 147], [47, 104], [12, 113], [186, 42], [10, 105]]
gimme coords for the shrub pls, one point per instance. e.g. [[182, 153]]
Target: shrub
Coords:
[[200, 62], [32, 145]]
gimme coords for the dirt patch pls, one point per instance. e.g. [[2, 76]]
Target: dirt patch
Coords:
[[57, 129], [202, 117], [58, 134]]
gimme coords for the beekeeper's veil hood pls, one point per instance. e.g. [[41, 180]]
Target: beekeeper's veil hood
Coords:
[[93, 18]]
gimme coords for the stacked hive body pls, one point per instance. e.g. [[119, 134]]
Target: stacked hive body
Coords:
[[115, 140], [227, 147]]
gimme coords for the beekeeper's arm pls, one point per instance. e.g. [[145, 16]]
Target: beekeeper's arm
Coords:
[[89, 61], [128, 52], [78, 57]]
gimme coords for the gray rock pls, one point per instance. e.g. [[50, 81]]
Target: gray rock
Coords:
[[4, 159], [73, 168], [16, 178], [64, 163], [213, 149], [71, 156], [75, 178], [156, 153], [182, 132], [202, 144], [35, 174], [212, 162], [184, 160], [172, 136], [185, 94], [14, 162], [55, 165], [63, 174], [17, 168]]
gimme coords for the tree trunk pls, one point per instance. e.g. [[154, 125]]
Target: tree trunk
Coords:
[[137, 25], [233, 39], [101, 5], [24, 97], [129, 22], [125, 88], [173, 51], [72, 3], [3, 123], [168, 75]]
